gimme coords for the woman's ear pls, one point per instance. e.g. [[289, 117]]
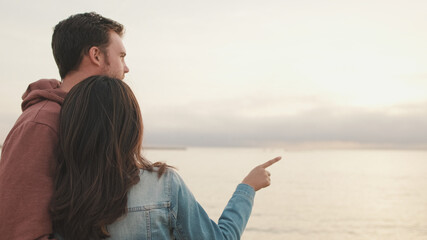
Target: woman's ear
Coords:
[[95, 55]]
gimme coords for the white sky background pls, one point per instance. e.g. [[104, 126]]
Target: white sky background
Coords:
[[248, 73]]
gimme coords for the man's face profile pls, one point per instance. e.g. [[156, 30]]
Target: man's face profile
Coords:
[[114, 60]]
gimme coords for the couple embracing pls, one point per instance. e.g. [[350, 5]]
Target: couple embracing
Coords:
[[71, 166]]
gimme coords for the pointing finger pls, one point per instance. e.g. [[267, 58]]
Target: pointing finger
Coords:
[[271, 162]]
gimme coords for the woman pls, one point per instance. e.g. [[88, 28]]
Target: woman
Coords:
[[105, 188]]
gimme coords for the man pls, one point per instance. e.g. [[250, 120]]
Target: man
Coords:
[[83, 45]]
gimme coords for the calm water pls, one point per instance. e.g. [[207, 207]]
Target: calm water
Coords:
[[314, 194]]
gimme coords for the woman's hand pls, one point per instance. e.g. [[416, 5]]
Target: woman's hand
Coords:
[[259, 177]]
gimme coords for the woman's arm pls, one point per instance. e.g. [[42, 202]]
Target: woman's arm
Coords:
[[190, 221]]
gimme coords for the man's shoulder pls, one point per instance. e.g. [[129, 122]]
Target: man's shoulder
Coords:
[[45, 112]]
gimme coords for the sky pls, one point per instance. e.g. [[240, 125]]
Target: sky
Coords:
[[245, 73]]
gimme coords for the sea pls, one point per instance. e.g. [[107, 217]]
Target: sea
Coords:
[[316, 194]]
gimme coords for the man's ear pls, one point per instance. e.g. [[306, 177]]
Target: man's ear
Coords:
[[95, 55]]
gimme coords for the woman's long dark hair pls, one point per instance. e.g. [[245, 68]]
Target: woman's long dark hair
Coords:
[[100, 138]]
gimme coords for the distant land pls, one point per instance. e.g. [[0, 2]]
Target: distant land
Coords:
[[155, 148], [164, 148], [306, 146]]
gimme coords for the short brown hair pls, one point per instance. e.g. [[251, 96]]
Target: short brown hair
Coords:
[[73, 37]]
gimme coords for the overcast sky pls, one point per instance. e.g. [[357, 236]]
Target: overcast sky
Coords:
[[248, 73]]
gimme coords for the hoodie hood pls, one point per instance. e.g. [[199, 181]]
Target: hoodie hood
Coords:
[[44, 89]]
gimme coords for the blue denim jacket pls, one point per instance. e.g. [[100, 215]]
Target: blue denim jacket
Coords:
[[166, 209]]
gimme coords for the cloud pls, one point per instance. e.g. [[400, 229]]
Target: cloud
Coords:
[[401, 126]]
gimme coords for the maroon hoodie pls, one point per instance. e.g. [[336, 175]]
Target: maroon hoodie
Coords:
[[27, 161]]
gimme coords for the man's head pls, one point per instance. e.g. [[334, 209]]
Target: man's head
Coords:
[[91, 35]]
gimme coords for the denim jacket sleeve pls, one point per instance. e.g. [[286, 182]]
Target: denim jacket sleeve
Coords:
[[190, 221]]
